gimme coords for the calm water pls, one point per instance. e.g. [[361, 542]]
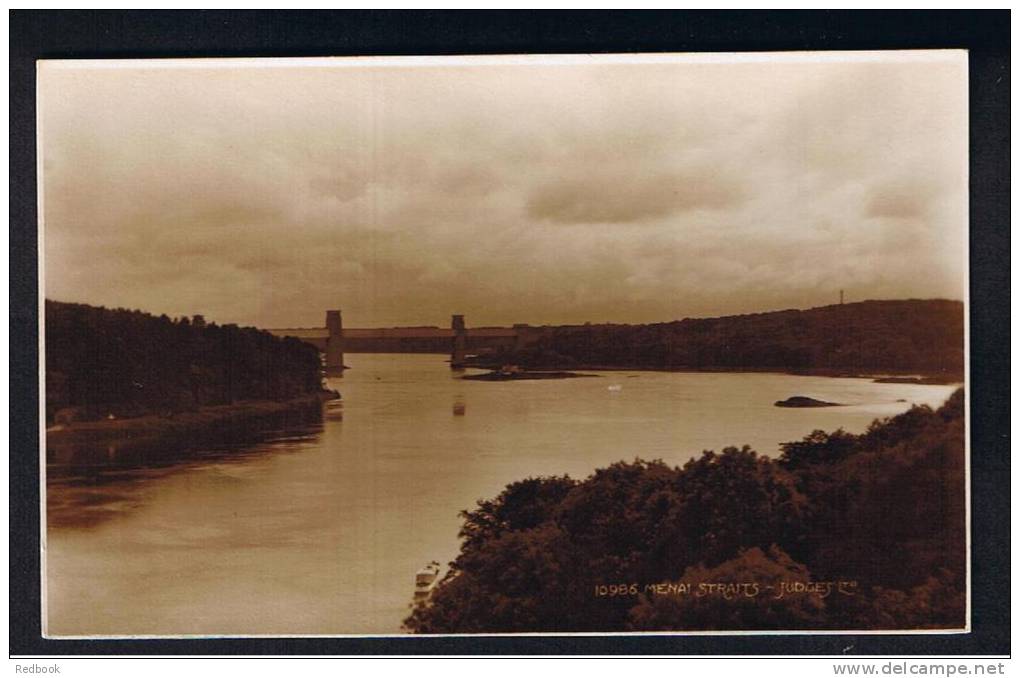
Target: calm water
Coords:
[[320, 529]]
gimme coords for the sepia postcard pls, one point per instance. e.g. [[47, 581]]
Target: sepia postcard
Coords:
[[610, 344]]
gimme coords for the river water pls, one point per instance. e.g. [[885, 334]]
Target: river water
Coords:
[[320, 528]]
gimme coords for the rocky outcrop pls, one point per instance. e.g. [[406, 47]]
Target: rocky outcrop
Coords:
[[804, 401]]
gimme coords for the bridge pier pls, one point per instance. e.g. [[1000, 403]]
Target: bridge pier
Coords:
[[334, 344], [459, 350]]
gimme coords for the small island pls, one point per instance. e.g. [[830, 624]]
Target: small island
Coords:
[[510, 372], [804, 401]]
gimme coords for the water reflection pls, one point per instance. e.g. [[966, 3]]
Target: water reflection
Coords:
[[320, 527], [79, 475]]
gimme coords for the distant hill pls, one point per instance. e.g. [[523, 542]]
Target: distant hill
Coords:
[[912, 335], [103, 361]]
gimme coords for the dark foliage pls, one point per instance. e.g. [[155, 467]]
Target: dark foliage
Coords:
[[887, 505], [128, 363], [764, 611], [884, 510], [897, 336]]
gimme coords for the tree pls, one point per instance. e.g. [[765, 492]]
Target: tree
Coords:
[[883, 511], [130, 363], [746, 592]]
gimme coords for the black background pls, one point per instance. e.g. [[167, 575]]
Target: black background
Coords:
[[119, 34]]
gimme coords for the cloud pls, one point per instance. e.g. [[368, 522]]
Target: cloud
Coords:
[[534, 193], [910, 196], [628, 197], [895, 205]]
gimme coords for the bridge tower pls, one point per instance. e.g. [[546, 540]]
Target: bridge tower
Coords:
[[334, 343], [459, 350]]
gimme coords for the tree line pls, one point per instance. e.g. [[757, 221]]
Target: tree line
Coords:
[[899, 336], [124, 362], [875, 522]]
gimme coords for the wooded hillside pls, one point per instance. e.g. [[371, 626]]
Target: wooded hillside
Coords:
[[115, 361]]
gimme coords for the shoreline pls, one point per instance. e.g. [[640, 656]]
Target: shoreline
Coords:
[[207, 421], [885, 376]]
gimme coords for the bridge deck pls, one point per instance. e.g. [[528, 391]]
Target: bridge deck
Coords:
[[393, 332]]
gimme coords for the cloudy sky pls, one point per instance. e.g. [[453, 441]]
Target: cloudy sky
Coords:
[[586, 189]]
